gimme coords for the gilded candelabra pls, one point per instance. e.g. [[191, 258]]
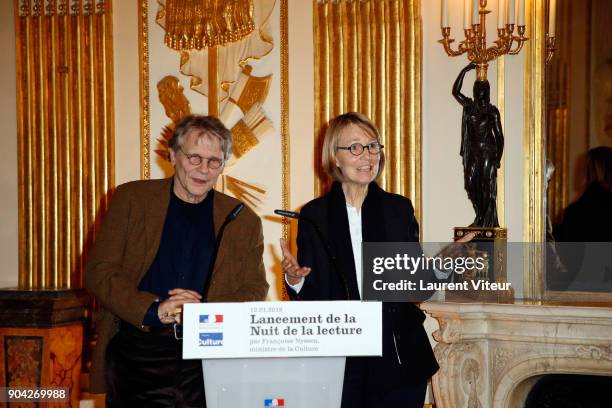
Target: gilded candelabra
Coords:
[[475, 42]]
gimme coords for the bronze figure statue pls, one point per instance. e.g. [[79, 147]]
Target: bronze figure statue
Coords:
[[482, 145]]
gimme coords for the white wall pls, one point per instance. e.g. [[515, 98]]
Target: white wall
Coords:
[[301, 101], [8, 140], [127, 94]]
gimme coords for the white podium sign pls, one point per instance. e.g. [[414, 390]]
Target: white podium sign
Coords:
[[282, 329]]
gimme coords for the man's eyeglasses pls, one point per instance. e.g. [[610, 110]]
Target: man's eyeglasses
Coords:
[[357, 149], [196, 160]]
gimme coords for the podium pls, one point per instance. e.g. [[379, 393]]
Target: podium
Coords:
[[296, 382], [278, 354]]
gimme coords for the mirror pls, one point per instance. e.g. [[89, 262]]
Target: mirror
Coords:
[[578, 118]]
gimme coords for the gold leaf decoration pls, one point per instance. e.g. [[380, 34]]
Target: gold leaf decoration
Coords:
[[198, 24], [251, 194], [250, 90], [244, 139], [172, 97], [176, 105]]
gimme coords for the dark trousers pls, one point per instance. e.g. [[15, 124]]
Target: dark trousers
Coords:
[[377, 382], [147, 370]]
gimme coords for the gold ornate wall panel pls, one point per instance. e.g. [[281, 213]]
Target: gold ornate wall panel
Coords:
[[65, 135], [368, 59], [534, 150]]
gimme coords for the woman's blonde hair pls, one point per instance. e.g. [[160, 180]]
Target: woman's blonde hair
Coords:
[[332, 134]]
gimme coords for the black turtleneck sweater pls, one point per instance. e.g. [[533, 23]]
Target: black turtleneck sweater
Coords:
[[185, 252]]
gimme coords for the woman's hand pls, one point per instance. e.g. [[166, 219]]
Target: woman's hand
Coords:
[[295, 272]]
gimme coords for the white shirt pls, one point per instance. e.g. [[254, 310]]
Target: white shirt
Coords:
[[354, 219]]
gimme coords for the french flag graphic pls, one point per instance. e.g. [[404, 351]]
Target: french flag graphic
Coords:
[[211, 318], [276, 402]]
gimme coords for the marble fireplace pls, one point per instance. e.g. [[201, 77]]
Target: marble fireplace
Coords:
[[491, 355]]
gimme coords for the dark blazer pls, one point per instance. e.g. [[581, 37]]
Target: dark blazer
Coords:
[[589, 219], [385, 217], [126, 247]]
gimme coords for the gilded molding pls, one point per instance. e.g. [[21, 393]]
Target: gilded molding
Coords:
[[145, 128], [574, 298], [49, 8], [65, 137], [501, 106], [213, 78], [284, 57], [533, 140]]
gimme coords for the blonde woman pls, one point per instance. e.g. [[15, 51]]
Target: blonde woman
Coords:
[[356, 209]]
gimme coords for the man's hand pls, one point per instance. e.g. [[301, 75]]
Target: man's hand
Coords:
[[169, 311], [295, 272]]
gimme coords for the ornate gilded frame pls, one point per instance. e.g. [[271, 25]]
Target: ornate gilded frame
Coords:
[[534, 211]]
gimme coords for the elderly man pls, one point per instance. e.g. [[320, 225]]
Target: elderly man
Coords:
[[160, 247]]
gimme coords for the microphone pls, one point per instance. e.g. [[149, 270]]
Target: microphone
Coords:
[[231, 216], [288, 214], [326, 246]]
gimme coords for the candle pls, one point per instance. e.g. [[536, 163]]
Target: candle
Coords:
[[467, 24], [501, 13], [511, 10], [444, 13], [521, 12], [552, 10], [475, 15]]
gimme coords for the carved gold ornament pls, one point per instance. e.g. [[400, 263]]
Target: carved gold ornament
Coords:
[[198, 24]]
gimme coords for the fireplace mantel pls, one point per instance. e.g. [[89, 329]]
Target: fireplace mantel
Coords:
[[490, 355]]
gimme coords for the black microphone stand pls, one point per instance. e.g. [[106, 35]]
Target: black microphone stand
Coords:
[[230, 217], [178, 331]]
